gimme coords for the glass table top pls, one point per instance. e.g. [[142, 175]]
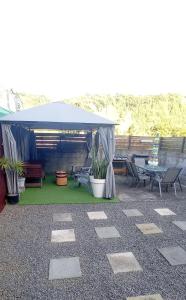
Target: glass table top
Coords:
[[151, 168]]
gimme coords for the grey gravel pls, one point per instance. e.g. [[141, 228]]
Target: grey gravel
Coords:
[[26, 250]]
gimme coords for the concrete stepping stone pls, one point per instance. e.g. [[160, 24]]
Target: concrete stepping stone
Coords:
[[132, 212], [97, 215], [180, 224], [149, 228], [164, 212], [62, 217], [107, 232], [66, 267], [124, 197], [146, 297], [61, 236], [175, 255], [123, 262], [147, 196]]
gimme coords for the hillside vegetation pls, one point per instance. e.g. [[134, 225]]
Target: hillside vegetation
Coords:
[[136, 115]]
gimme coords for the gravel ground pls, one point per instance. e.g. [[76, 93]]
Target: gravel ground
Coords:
[[26, 250]]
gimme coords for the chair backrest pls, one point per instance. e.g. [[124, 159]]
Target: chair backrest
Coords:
[[83, 179], [88, 163], [182, 176], [171, 175], [136, 156], [129, 167], [139, 161], [135, 170]]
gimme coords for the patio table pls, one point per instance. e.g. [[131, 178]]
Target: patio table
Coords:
[[153, 170]]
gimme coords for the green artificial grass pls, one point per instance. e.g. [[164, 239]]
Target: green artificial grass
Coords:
[[50, 193]]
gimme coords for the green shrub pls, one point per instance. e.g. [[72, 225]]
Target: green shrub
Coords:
[[7, 164]]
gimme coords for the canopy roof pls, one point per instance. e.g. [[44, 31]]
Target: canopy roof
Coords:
[[56, 115]]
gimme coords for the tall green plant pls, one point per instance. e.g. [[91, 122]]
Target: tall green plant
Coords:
[[4, 163], [15, 166], [99, 166]]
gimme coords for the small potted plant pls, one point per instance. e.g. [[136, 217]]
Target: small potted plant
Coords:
[[98, 178], [14, 168], [17, 166]]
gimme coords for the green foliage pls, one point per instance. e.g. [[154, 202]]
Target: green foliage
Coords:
[[17, 166], [7, 164], [150, 115], [99, 166], [4, 163], [32, 100], [136, 115]]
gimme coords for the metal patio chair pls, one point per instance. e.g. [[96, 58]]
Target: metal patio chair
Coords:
[[169, 178], [82, 176], [139, 176], [139, 160], [136, 176], [82, 168], [130, 172]]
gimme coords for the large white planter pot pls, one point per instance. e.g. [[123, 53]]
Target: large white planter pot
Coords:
[[21, 184], [98, 187]]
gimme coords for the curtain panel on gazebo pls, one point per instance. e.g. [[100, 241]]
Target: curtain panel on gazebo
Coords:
[[89, 140], [10, 151], [26, 143], [108, 142]]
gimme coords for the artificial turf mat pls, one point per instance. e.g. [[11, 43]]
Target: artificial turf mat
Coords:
[[50, 193]]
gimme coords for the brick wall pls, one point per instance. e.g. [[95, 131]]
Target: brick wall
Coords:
[[73, 154]]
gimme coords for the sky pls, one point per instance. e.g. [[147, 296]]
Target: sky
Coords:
[[66, 48]]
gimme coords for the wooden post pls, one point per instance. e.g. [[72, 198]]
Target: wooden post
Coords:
[[160, 143], [183, 145], [129, 142]]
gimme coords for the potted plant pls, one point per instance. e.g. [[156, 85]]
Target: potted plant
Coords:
[[17, 166], [14, 168], [98, 178]]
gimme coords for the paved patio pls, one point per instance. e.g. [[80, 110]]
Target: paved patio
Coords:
[[117, 251]]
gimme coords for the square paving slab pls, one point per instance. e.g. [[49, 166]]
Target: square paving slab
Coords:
[[146, 297], [97, 215], [124, 197], [174, 255], [146, 196], [164, 211], [180, 224], [60, 236], [132, 213], [107, 232], [149, 228], [62, 217], [123, 262], [66, 267]]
